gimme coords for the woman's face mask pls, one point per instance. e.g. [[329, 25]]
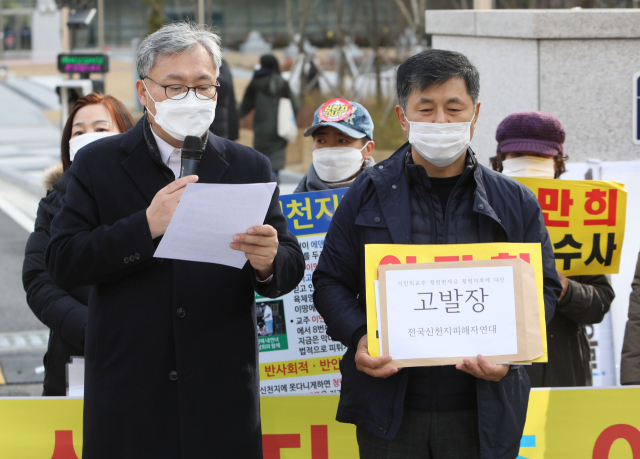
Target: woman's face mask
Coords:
[[529, 166], [79, 141], [441, 144], [188, 116], [335, 164]]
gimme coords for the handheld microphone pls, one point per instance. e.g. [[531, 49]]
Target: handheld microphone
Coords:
[[192, 150]]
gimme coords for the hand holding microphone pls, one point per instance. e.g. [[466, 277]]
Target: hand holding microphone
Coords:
[[192, 151]]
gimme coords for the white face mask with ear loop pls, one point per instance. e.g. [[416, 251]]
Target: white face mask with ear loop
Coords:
[[79, 141], [529, 166], [441, 144], [183, 117], [335, 164]]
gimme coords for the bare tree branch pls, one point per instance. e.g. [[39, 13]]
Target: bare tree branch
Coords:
[[405, 12]]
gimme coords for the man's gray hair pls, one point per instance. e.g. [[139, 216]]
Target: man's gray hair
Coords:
[[176, 38]]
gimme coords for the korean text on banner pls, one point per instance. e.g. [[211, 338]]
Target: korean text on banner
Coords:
[[585, 220], [385, 254], [296, 354]]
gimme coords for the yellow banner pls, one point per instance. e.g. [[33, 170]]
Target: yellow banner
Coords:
[[295, 368], [561, 423], [585, 220], [386, 254]]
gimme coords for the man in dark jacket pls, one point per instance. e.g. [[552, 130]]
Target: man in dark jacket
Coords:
[[171, 349], [431, 191], [530, 144], [342, 145]]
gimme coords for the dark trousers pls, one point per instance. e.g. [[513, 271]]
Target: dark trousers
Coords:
[[426, 435]]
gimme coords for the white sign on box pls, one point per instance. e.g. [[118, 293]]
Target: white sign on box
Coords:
[[435, 313]]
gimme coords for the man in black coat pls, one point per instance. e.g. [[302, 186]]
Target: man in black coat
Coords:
[[171, 348]]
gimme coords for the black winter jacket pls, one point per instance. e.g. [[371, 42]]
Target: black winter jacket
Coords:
[[587, 300], [63, 311], [377, 210]]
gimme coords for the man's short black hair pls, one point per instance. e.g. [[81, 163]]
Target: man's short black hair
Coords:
[[432, 67]]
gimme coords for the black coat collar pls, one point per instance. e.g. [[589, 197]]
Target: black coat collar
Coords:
[[148, 174]]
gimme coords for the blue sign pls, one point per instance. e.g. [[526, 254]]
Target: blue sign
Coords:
[[311, 213]]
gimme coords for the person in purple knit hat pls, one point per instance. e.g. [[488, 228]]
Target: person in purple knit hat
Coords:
[[530, 144]]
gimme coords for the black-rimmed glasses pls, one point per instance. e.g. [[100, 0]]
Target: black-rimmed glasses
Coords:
[[180, 91]]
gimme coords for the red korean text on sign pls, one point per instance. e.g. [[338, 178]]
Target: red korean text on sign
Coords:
[[597, 204], [552, 200]]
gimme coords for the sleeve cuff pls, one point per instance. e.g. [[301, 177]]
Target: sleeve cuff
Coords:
[[566, 299], [266, 281], [357, 335]]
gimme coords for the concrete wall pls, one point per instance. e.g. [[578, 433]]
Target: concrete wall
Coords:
[[577, 65], [508, 82]]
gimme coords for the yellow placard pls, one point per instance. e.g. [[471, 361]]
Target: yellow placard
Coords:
[[585, 220], [35, 427], [561, 423], [384, 254], [582, 423]]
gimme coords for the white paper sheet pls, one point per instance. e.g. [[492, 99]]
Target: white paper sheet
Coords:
[[75, 372], [435, 313], [207, 218]]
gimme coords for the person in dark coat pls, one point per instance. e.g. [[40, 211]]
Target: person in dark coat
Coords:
[[225, 124], [530, 144], [342, 145], [630, 360], [263, 94], [65, 311], [171, 362], [428, 192]]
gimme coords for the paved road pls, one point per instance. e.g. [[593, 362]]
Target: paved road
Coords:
[[23, 337], [28, 144]]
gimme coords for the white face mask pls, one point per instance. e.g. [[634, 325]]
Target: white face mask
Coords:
[[440, 143], [336, 164], [188, 116], [79, 141], [529, 166]]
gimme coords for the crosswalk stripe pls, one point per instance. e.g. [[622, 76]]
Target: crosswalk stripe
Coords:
[[17, 340]]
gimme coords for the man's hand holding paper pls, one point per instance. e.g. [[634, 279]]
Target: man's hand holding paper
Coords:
[[260, 246], [214, 222]]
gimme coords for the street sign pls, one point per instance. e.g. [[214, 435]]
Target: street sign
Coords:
[[636, 108], [83, 63]]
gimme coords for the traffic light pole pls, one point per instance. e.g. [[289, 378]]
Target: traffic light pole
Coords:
[[101, 25], [201, 19]]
